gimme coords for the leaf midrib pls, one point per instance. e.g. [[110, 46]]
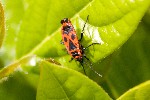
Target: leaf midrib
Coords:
[[57, 30]]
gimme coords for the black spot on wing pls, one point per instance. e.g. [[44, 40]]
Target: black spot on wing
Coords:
[[72, 36], [65, 39], [71, 45]]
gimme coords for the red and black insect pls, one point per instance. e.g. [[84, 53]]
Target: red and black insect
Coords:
[[72, 43]]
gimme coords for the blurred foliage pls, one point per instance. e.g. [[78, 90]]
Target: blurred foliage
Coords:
[[2, 25]]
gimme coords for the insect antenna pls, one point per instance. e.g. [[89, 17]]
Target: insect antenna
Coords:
[[92, 67], [85, 23], [83, 28], [83, 67]]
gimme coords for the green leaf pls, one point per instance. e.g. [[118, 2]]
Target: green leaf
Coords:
[[128, 66], [2, 25], [140, 92], [110, 23], [59, 83]]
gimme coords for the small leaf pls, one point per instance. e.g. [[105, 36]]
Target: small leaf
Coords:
[[59, 83], [140, 92], [2, 24]]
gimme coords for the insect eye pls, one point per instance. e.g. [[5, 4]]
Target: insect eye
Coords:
[[65, 20], [62, 21]]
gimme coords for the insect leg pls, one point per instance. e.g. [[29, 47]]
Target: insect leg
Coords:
[[90, 45], [61, 42], [70, 59], [81, 65], [83, 28]]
